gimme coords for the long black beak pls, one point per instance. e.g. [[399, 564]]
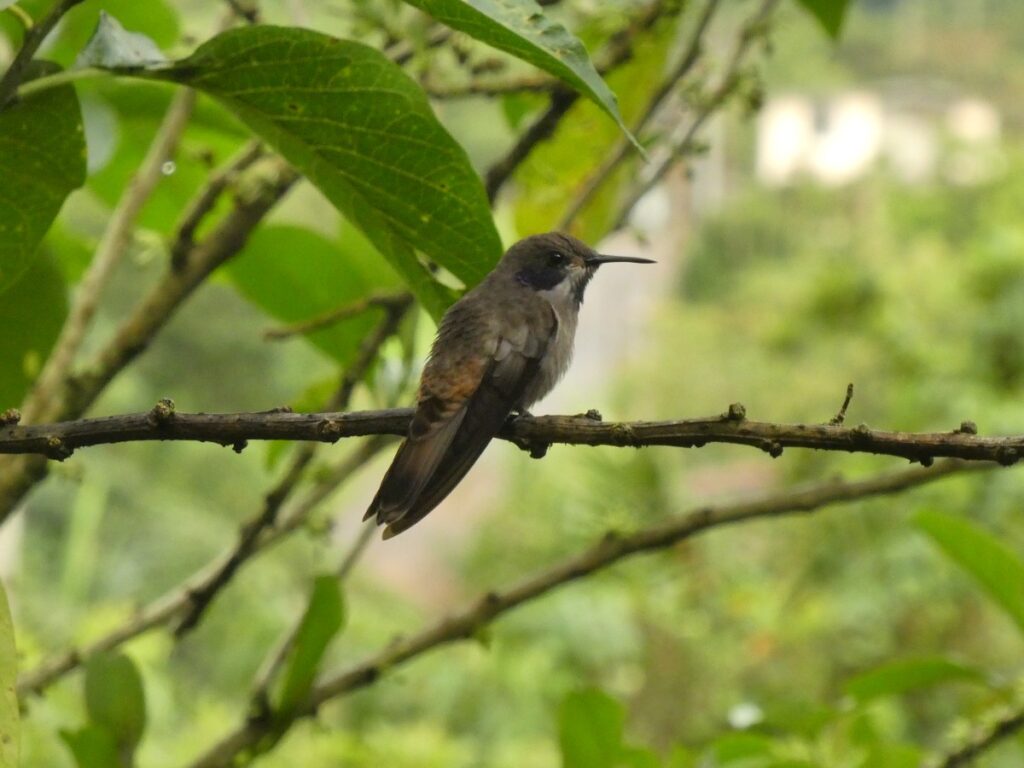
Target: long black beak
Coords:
[[599, 258]]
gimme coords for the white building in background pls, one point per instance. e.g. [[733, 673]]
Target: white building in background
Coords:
[[917, 134]]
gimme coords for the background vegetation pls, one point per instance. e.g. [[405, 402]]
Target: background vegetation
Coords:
[[885, 633]]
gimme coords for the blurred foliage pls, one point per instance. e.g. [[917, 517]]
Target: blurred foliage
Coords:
[[850, 639]]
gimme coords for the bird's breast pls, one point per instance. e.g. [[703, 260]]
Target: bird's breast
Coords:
[[558, 353]]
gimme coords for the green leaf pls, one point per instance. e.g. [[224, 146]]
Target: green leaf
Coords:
[[92, 747], [324, 618], [36, 306], [114, 698], [908, 675], [361, 130], [590, 725], [829, 13], [112, 46], [521, 28], [637, 757], [295, 274], [42, 159], [681, 757], [891, 755], [9, 719], [993, 565], [739, 746]]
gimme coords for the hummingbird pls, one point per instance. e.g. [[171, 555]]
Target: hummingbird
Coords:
[[499, 349]]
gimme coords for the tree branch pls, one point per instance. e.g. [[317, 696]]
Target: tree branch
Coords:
[[983, 740], [58, 441], [618, 51], [493, 86], [173, 603], [265, 184], [543, 127], [112, 246], [186, 604], [34, 37], [249, 536], [613, 547], [204, 201], [385, 301], [752, 31], [694, 48]]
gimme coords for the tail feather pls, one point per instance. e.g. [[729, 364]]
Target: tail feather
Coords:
[[459, 460], [414, 464]]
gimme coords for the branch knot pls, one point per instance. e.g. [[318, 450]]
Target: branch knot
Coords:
[[57, 449], [736, 412], [162, 413]]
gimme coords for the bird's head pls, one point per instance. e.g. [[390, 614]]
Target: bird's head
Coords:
[[557, 263]]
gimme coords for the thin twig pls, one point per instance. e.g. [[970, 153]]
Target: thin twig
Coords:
[[112, 246], [840, 417], [612, 548], [618, 51], [249, 536], [752, 31], [26, 20], [170, 606], [543, 127], [983, 740], [268, 183], [200, 206], [624, 147], [246, 10], [401, 52], [33, 38], [336, 315], [58, 441], [492, 87]]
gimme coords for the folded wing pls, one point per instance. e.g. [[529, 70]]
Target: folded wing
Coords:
[[448, 433]]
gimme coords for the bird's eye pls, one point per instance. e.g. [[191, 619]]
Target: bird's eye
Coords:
[[556, 259]]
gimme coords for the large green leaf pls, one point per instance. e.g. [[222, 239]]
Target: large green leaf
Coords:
[[295, 274], [361, 130], [993, 565], [829, 13], [324, 618], [42, 159], [115, 700], [36, 306], [9, 729], [521, 28], [908, 675], [590, 726]]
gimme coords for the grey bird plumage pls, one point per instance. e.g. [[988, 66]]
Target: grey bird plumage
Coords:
[[499, 349]]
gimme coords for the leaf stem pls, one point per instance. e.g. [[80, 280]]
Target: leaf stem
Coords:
[[61, 78], [30, 44], [22, 14]]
